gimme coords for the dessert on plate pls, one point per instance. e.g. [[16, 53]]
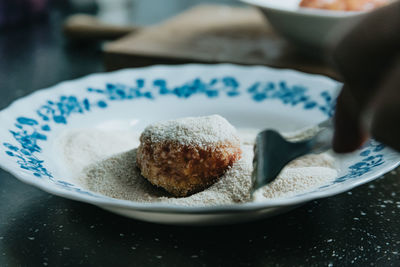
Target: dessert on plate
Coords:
[[187, 155]]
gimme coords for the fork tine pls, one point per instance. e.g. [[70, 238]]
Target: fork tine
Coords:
[[272, 152]]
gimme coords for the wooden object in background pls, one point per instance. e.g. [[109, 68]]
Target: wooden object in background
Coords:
[[82, 27], [209, 34]]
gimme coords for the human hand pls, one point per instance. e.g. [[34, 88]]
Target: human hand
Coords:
[[368, 58]]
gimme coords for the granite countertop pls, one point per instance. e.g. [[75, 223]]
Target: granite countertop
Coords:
[[359, 227]]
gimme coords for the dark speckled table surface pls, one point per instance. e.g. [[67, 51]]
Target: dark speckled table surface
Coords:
[[357, 228]]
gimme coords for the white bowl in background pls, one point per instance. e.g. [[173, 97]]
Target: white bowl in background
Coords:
[[307, 28]]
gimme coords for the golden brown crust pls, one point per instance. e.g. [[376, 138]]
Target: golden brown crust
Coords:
[[183, 170], [345, 5]]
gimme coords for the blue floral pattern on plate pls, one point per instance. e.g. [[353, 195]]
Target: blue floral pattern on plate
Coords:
[[371, 158], [29, 132]]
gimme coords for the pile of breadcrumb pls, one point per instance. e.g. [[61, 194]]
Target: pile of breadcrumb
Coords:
[[103, 161]]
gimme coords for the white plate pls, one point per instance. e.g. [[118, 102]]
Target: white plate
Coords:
[[255, 97]]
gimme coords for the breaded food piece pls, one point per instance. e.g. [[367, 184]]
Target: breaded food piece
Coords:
[[187, 155], [323, 4], [344, 5]]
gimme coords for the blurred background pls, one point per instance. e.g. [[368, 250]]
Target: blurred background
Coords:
[[120, 12], [44, 42]]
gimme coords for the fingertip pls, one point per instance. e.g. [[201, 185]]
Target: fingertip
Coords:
[[348, 143], [349, 134]]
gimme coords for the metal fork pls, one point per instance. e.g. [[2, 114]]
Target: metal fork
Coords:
[[272, 151]]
